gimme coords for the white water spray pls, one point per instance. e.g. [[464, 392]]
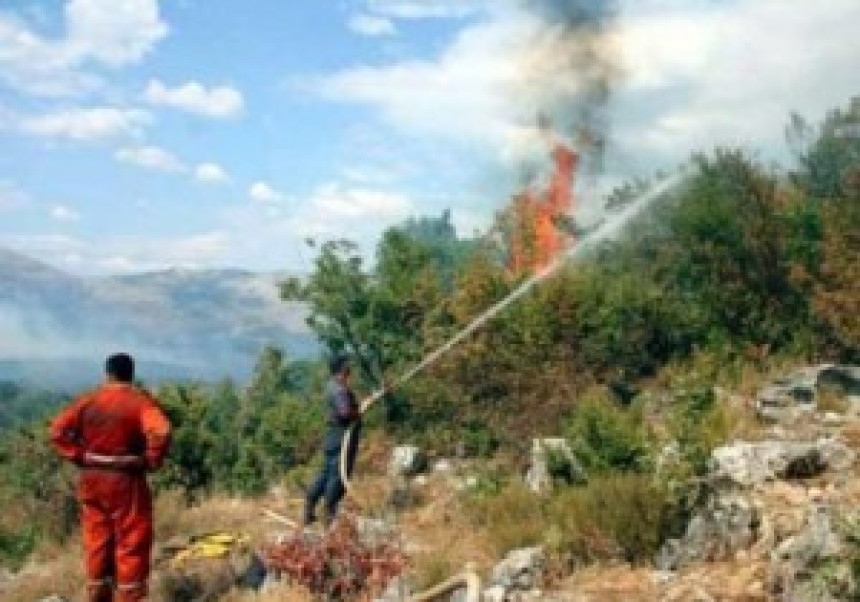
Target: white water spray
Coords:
[[607, 231]]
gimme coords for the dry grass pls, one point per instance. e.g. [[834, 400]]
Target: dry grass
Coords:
[[444, 539], [832, 401], [512, 519], [54, 570], [278, 593]]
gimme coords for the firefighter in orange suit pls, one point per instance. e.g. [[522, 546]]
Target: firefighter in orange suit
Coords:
[[115, 435]]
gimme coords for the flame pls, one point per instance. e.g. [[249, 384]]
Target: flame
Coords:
[[536, 239]]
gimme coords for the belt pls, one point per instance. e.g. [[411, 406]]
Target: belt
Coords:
[[122, 463]]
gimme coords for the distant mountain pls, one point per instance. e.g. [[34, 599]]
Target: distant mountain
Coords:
[[56, 328]]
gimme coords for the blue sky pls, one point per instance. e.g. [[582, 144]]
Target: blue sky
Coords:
[[143, 134]]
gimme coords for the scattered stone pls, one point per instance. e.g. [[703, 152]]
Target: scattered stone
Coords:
[[521, 570], [254, 575], [401, 495], [549, 457], [794, 559], [54, 598], [669, 457], [817, 541], [398, 590], [727, 524], [832, 419], [406, 461], [421, 480], [496, 593], [794, 395], [374, 531], [747, 464], [662, 577], [443, 466]]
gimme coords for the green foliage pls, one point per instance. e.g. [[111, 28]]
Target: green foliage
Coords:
[[20, 404], [606, 437], [37, 493], [828, 158], [241, 441], [17, 545], [612, 516]]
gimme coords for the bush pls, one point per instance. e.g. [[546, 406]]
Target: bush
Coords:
[[606, 437], [16, 546]]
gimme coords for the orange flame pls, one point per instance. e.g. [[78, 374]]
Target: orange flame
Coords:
[[536, 239]]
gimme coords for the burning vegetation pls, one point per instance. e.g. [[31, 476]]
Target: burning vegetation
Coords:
[[538, 219]]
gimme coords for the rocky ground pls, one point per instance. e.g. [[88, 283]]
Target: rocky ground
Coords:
[[779, 521]]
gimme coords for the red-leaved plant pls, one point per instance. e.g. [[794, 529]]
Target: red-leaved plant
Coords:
[[337, 565]]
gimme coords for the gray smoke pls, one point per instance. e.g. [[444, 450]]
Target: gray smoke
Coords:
[[574, 60]]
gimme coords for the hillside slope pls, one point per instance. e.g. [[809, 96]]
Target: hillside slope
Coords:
[[55, 327]]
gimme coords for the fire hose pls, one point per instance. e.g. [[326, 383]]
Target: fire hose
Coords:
[[605, 231]]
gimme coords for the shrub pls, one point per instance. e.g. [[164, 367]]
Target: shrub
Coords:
[[614, 516], [606, 437]]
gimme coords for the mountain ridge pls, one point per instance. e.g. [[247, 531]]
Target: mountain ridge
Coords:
[[205, 324]]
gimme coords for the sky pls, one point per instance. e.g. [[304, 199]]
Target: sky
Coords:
[[144, 134]]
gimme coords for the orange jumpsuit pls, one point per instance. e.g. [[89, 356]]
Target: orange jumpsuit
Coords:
[[114, 434]]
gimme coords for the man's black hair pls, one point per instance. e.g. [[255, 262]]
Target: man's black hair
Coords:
[[120, 367], [338, 363]]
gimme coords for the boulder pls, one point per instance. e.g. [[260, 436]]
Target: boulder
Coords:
[[551, 456], [747, 464], [794, 560], [520, 571], [795, 394], [406, 461], [729, 523]]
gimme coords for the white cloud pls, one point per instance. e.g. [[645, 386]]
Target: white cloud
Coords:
[[115, 254], [427, 9], [151, 157], [90, 124], [62, 213], [354, 212], [731, 73], [476, 92], [693, 75], [211, 173], [216, 102], [371, 25], [334, 201], [113, 33], [262, 192]]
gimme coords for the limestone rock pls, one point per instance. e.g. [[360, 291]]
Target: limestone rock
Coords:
[[398, 590], [406, 461], [794, 394], [746, 464], [793, 559], [443, 466], [548, 455], [727, 524], [521, 570]]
